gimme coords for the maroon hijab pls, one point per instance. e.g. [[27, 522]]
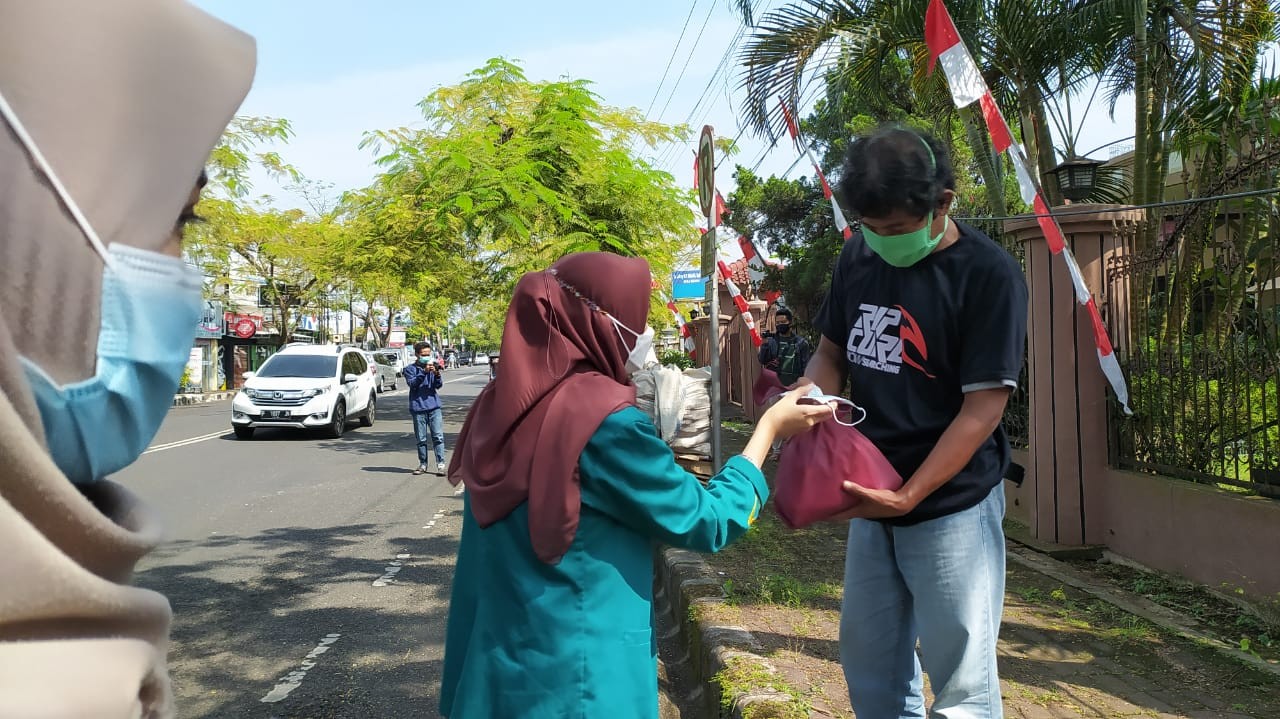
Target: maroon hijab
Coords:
[[562, 371]]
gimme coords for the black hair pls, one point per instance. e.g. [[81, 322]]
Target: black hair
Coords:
[[891, 169], [419, 346], [784, 312]]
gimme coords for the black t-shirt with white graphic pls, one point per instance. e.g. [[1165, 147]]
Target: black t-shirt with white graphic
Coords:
[[917, 338]]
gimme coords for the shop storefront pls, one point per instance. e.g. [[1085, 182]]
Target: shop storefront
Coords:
[[245, 346], [203, 373]]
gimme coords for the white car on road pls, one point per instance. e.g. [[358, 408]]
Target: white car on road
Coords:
[[307, 387]]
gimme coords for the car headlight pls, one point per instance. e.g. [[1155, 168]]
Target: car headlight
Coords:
[[315, 392], [251, 394]]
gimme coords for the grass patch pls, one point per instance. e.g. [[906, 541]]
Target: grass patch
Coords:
[[741, 676], [1079, 611], [1220, 617], [773, 565]]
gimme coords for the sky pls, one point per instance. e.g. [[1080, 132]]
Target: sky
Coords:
[[336, 69]]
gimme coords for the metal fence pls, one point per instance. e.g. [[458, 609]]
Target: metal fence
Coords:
[[1201, 348], [1017, 412]]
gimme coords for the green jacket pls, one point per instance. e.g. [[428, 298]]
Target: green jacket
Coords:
[[531, 640]]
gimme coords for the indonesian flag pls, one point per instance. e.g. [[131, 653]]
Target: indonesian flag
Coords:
[[963, 76]]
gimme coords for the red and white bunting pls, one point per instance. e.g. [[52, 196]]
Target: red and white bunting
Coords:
[[740, 302], [967, 87], [794, 130], [685, 334], [734, 251]]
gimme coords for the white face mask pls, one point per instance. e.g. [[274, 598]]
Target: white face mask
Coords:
[[842, 409], [637, 357]]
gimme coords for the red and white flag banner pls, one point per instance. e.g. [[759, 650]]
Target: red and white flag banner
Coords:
[[740, 302], [794, 130], [685, 334], [967, 87]]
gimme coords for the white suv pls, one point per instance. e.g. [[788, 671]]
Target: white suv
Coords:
[[307, 387]]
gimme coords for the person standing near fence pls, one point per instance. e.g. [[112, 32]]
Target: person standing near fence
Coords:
[[424, 380], [784, 351], [926, 319]]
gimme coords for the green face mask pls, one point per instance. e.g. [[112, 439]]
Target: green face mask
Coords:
[[906, 249]]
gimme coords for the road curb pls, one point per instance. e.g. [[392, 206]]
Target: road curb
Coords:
[[690, 585], [182, 400]]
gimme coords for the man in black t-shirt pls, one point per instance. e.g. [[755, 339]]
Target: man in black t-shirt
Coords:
[[926, 322], [784, 351]]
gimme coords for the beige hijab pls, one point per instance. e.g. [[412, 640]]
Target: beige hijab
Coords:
[[125, 99]]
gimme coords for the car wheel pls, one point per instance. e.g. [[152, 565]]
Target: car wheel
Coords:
[[339, 423], [370, 412], [243, 432]]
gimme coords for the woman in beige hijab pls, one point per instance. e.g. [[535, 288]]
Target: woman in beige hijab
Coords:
[[109, 112]]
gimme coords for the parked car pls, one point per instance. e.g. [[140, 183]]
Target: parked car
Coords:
[[464, 359], [396, 358], [384, 368], [480, 358], [318, 387]]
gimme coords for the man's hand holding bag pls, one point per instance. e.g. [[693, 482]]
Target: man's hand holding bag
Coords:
[[816, 464]]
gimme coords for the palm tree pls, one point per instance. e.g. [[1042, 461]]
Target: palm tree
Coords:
[[1026, 50], [1176, 57]]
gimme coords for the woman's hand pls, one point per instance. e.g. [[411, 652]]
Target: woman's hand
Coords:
[[785, 418], [788, 417]]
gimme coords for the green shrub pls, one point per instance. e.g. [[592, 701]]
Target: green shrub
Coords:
[[675, 358]]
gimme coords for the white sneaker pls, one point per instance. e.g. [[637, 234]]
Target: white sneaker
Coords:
[[440, 469]]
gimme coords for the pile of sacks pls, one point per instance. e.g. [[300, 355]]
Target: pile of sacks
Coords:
[[679, 403]]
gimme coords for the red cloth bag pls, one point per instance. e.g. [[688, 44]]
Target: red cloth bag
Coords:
[[816, 464]]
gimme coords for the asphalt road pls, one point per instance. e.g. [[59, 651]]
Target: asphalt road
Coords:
[[309, 577]]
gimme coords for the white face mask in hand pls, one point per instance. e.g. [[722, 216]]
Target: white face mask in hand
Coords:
[[842, 409], [639, 354]]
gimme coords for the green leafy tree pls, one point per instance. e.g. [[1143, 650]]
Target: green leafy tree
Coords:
[[508, 174]]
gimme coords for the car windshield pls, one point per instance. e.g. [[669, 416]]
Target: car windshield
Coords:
[[300, 366]]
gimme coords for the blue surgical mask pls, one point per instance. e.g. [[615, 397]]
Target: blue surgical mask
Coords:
[[150, 306]]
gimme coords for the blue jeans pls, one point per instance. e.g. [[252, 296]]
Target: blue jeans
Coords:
[[428, 427], [941, 582]]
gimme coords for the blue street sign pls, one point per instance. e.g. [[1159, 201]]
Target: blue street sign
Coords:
[[687, 284]]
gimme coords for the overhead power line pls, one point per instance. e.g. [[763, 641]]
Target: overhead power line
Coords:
[[692, 49], [671, 59]]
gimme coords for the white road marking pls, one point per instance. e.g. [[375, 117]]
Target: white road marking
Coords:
[[293, 679], [185, 442], [393, 568]]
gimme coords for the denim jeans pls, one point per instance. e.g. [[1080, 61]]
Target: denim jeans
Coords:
[[940, 582], [429, 429]]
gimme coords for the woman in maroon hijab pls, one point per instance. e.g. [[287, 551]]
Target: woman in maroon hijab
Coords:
[[568, 485]]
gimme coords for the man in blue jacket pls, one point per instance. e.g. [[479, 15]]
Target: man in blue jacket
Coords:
[[423, 378]]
